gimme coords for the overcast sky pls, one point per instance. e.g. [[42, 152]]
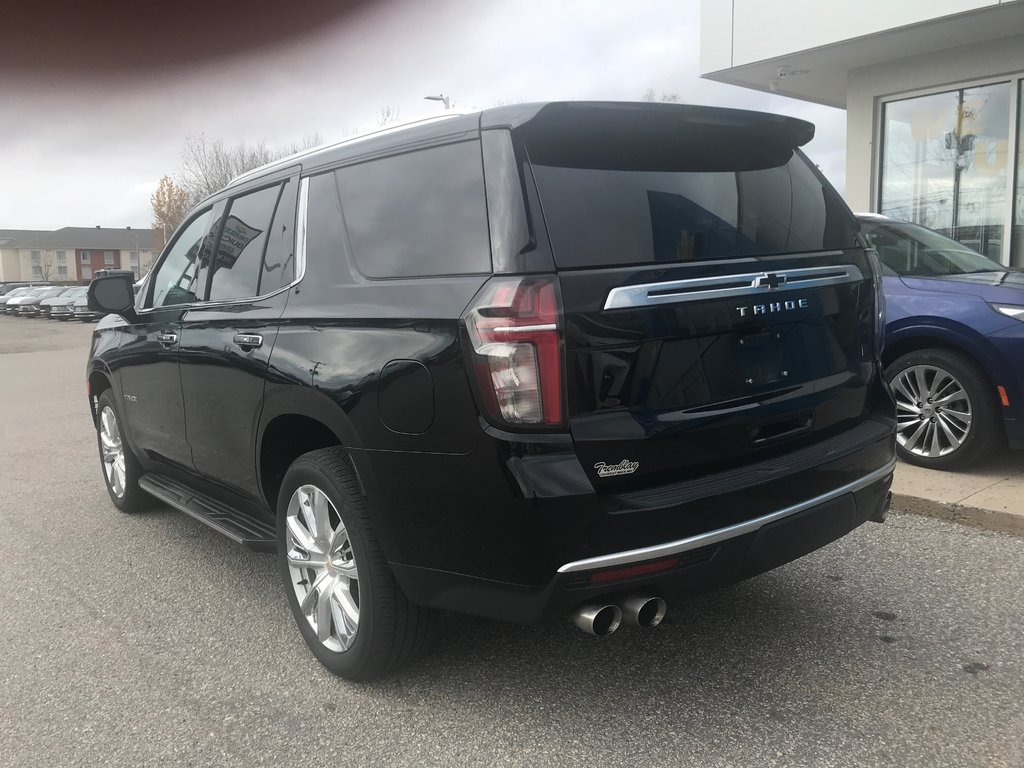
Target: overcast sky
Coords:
[[82, 151]]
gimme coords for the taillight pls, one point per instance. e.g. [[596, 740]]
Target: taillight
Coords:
[[513, 327]]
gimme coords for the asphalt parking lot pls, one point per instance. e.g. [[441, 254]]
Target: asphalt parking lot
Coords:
[[151, 640]]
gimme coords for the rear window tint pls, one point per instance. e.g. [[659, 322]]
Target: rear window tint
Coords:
[[419, 213], [614, 215]]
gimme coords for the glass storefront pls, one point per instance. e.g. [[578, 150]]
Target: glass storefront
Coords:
[[1017, 252], [945, 164]]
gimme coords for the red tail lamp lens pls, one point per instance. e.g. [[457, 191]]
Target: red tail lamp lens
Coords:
[[514, 328]]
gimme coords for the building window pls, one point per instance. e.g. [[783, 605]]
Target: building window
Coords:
[[37, 272], [944, 164], [87, 273], [84, 257], [62, 257], [133, 257], [36, 257], [108, 258], [62, 272], [1017, 252]]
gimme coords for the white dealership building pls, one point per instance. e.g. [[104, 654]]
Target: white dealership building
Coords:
[[932, 91]]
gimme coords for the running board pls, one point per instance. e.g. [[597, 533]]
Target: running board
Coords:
[[241, 528]]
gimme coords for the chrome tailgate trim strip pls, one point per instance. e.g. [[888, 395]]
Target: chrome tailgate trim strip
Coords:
[[724, 286]]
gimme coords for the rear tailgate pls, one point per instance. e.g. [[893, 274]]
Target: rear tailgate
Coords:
[[718, 307]]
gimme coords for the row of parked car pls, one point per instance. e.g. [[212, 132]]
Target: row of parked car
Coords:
[[55, 302]]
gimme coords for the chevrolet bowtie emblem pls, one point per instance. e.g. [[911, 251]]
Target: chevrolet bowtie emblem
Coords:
[[769, 280]]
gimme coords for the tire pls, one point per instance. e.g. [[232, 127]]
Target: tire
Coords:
[[949, 434], [116, 455], [386, 630]]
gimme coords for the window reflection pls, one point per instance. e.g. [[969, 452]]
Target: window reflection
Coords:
[[176, 281], [944, 164], [1017, 254]]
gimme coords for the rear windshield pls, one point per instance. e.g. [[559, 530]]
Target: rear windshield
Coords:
[[610, 215]]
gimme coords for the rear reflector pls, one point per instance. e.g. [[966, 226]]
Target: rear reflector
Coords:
[[513, 325], [602, 577]]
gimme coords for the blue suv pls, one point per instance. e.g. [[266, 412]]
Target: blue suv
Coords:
[[954, 353]]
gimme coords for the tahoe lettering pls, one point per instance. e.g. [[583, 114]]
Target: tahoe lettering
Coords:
[[773, 307]]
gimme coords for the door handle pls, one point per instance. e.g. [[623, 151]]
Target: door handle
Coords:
[[167, 339], [248, 341]]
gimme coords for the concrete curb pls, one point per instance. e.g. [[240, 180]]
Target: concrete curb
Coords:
[[975, 517]]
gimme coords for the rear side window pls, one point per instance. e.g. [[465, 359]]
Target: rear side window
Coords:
[[626, 210], [417, 214], [239, 254]]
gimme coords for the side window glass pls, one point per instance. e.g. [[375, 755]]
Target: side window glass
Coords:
[[419, 213], [175, 281], [278, 268], [239, 256]]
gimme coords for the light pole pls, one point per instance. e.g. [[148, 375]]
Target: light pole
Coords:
[[446, 100]]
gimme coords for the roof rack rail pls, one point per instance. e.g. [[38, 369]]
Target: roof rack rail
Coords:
[[350, 140]]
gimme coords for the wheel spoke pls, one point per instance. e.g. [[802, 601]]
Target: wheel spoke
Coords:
[[901, 386], [954, 440], [958, 395], [323, 611], [343, 624], [914, 438], [921, 383], [305, 500], [939, 382], [935, 448], [307, 559], [343, 598], [313, 594], [321, 506], [301, 536]]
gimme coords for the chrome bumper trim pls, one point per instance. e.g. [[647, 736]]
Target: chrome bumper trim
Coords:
[[721, 534]]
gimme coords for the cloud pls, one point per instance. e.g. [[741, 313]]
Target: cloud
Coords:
[[86, 151]]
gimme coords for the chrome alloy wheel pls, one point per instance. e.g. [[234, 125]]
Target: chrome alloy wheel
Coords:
[[933, 411], [322, 567], [112, 451]]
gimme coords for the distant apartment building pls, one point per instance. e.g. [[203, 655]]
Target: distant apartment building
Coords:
[[73, 254]]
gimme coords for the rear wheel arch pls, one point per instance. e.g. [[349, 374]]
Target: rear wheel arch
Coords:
[[285, 438]]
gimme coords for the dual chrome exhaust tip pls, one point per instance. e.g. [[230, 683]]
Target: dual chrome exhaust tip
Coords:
[[602, 619]]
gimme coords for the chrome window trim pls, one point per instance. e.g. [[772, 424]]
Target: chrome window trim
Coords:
[[300, 265], [724, 286], [722, 534]]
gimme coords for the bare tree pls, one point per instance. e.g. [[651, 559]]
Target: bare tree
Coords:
[[208, 166], [44, 269], [387, 114], [668, 98]]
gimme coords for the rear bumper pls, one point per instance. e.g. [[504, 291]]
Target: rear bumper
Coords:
[[698, 564], [515, 534]]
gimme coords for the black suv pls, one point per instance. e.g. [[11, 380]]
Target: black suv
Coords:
[[560, 359]]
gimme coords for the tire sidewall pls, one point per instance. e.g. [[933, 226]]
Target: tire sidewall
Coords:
[[344, 663]]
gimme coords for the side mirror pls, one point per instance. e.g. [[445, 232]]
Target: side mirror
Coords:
[[112, 294]]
